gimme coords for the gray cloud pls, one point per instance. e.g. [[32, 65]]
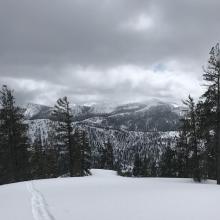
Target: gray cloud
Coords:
[[114, 50]]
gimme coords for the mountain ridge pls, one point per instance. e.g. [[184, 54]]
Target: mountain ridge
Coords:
[[130, 128]]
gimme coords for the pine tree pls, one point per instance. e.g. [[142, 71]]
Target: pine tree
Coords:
[[154, 169], [145, 169], [109, 156], [137, 166], [37, 158], [207, 150], [51, 163], [77, 153], [64, 129], [43, 159], [85, 155], [57, 154], [191, 123], [103, 157], [212, 98], [13, 140], [168, 163], [182, 152]]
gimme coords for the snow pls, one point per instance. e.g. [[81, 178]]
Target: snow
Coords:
[[103, 108], [43, 124], [32, 109], [106, 196], [94, 120]]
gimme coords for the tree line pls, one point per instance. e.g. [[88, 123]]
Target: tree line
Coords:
[[65, 152], [196, 153]]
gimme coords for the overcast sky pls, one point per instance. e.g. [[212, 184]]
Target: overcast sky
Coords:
[[106, 50]]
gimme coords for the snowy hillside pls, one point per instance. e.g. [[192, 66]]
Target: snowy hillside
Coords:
[[144, 127], [32, 110], [124, 143], [105, 196]]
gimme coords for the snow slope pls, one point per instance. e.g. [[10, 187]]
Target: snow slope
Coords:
[[105, 196]]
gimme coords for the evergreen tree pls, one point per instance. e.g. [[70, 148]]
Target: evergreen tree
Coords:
[[137, 166], [189, 150], [13, 140], [207, 150], [77, 153], [182, 152], [168, 163], [81, 153], [154, 169], [212, 100], [103, 157], [57, 153], [64, 129], [51, 163], [145, 168], [37, 158], [109, 156], [191, 123], [43, 158], [85, 155]]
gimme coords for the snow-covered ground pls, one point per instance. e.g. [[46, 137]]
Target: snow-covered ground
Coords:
[[106, 196]]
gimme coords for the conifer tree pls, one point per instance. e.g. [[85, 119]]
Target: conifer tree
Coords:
[[145, 169], [13, 140], [182, 152], [51, 163], [109, 156], [103, 157], [43, 159], [212, 98], [85, 155], [168, 163], [37, 159], [77, 153], [191, 124], [137, 166], [64, 129], [57, 154]]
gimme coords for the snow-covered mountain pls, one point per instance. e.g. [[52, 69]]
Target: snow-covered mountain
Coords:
[[35, 110], [133, 116], [148, 127]]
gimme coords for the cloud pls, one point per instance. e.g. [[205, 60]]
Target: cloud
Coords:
[[118, 50], [141, 22], [119, 84]]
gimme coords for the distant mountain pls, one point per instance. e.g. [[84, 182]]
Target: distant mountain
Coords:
[[146, 127], [157, 116], [34, 111]]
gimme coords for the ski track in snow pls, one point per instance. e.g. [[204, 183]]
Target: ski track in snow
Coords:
[[40, 208]]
